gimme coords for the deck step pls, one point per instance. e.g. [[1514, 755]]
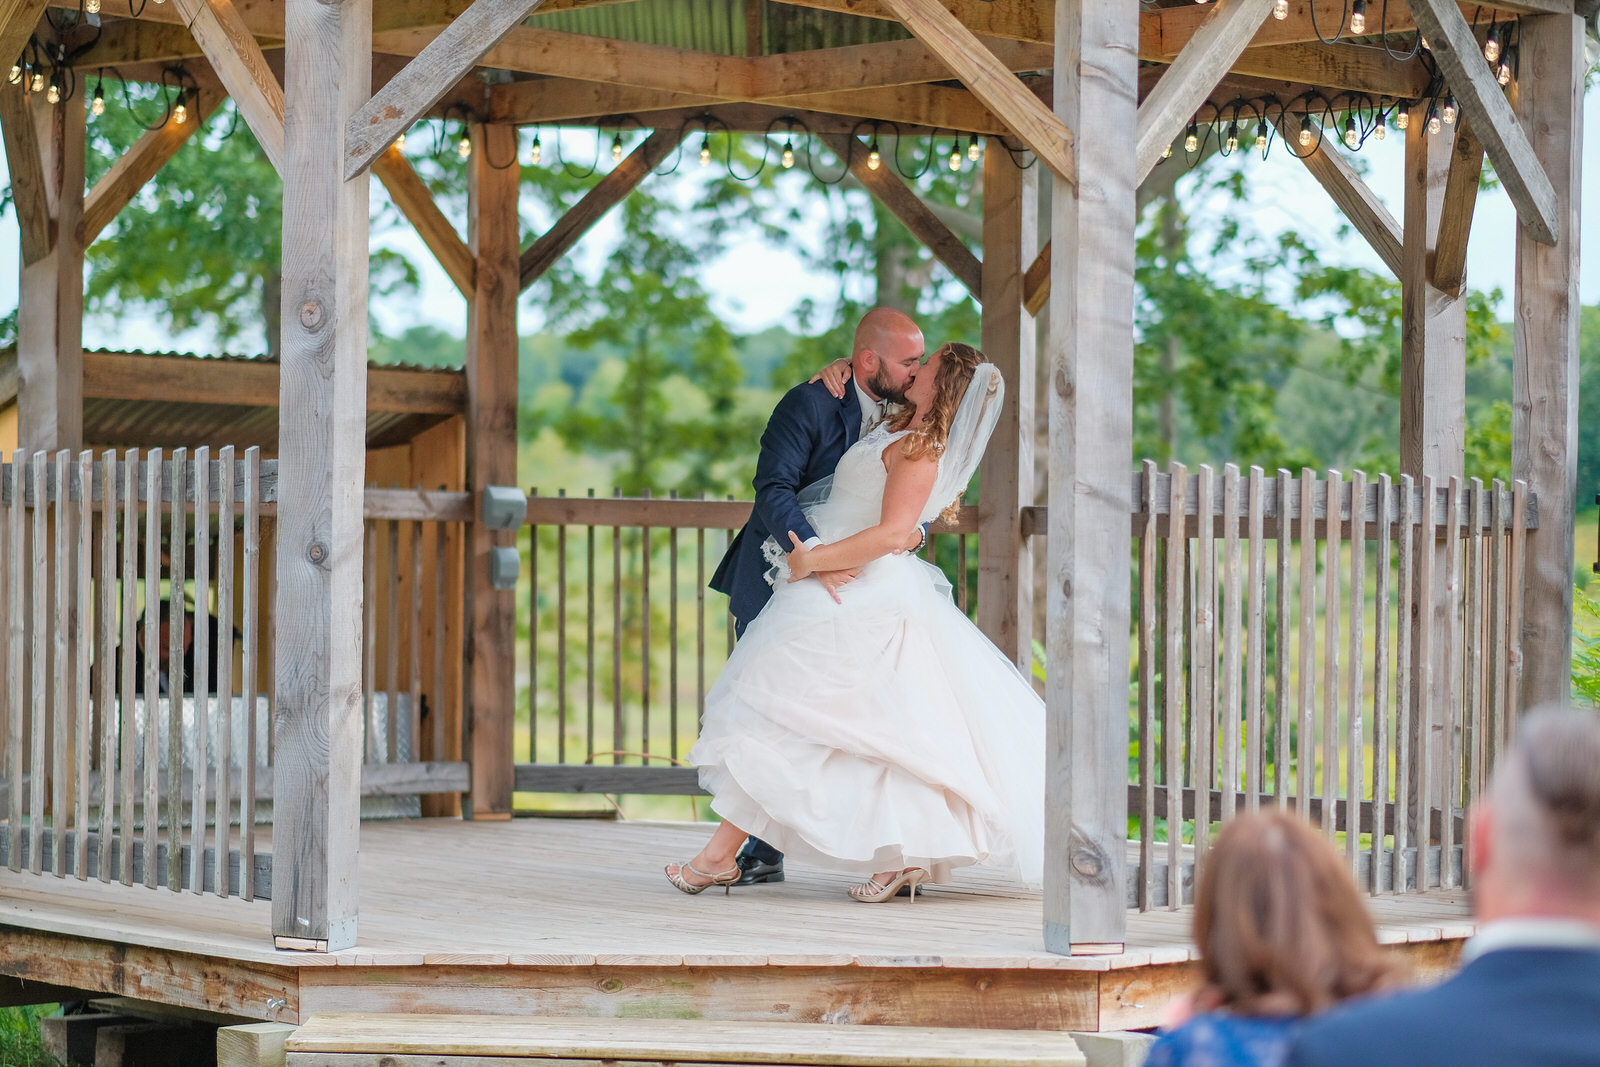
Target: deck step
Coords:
[[331, 1039]]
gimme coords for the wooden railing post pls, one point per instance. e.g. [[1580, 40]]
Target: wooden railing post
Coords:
[[322, 453], [1545, 379], [490, 640], [1005, 481], [1091, 446]]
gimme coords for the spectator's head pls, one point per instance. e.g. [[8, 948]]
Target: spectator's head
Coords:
[[1281, 928], [1536, 833], [886, 353], [164, 617]]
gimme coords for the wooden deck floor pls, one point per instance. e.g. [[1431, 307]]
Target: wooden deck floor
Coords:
[[544, 916]]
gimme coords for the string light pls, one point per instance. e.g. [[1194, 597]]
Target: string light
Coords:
[[975, 153], [955, 156], [37, 85], [92, 6], [705, 151], [400, 143], [180, 114], [1306, 136], [1261, 137], [1434, 125], [54, 95], [1166, 153], [1351, 138], [536, 153], [1233, 135], [15, 77], [874, 157], [1358, 17], [1491, 46], [464, 146], [1424, 43], [1191, 143], [1449, 111], [1504, 78], [788, 155], [1280, 10], [616, 148], [97, 106], [1381, 130], [1402, 119]]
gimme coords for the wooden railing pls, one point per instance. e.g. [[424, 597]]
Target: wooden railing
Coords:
[[113, 772]]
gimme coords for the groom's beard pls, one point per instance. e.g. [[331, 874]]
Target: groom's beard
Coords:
[[884, 389]]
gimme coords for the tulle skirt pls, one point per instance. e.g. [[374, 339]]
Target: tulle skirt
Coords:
[[882, 733]]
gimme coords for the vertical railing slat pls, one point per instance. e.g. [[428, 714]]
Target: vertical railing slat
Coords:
[[1427, 544], [1330, 659], [1450, 779], [16, 632], [1497, 623], [1472, 709], [1305, 740], [644, 640], [1255, 653], [1282, 716], [1380, 681], [226, 472], [176, 682], [83, 643], [154, 469], [37, 764], [61, 709], [369, 643], [1203, 665], [1232, 640], [672, 640], [250, 608], [1147, 690], [1355, 750], [617, 637], [1172, 726], [414, 652], [202, 665], [590, 693], [533, 647], [110, 623], [1405, 668]]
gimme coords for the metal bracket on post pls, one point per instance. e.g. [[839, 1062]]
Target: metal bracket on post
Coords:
[[503, 507]]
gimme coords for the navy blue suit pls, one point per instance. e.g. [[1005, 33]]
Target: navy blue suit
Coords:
[[807, 434], [1509, 1006]]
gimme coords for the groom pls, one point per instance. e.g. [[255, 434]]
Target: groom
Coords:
[[808, 431]]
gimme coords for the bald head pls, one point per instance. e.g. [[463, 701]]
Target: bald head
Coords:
[[886, 353], [1536, 834]]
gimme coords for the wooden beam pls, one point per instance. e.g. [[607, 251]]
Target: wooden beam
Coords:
[[18, 19], [446, 60], [1455, 216], [27, 172], [870, 66], [236, 57], [126, 41], [1193, 75], [893, 193], [411, 196], [556, 100], [119, 185], [1036, 282], [1483, 102], [490, 638], [1359, 203], [321, 460], [1545, 429], [606, 194], [998, 89], [929, 106], [1351, 67], [1017, 20], [1090, 370]]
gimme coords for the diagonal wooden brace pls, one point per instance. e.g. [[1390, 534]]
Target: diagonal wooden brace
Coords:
[[221, 32]]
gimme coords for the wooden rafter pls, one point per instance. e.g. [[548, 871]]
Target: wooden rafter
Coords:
[[17, 21], [1193, 75], [999, 90], [1350, 67], [411, 196], [1483, 102], [228, 43], [928, 106], [27, 173], [119, 185], [606, 194], [869, 66], [444, 61], [1455, 215], [1359, 203], [893, 193]]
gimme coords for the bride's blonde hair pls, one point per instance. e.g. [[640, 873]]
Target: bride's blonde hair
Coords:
[[957, 363]]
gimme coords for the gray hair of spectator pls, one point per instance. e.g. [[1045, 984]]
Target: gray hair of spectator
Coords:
[[1546, 800]]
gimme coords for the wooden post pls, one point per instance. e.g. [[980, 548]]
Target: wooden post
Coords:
[[1433, 385], [50, 307], [490, 640], [1545, 375], [1005, 480], [1091, 446], [322, 453]]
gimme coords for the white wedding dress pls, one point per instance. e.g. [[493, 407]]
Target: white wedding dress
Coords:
[[883, 733]]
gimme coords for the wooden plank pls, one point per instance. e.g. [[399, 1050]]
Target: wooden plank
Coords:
[[1450, 780], [1281, 691], [177, 576], [606, 194], [1255, 670], [445, 60], [1229, 710], [1472, 713], [152, 662], [202, 666], [1426, 697], [316, 673], [80, 615], [1213, 48], [232, 50], [249, 667], [1545, 430], [1048, 136], [1354, 747], [61, 674], [893, 193], [1455, 48], [1091, 437], [1148, 542], [1342, 67], [1382, 726], [253, 1044], [491, 633], [1455, 213], [1331, 623], [139, 164], [1203, 659], [418, 206], [1036, 282], [1172, 725], [39, 669], [27, 172], [1359, 203], [1305, 738], [878, 65], [110, 625], [1405, 690], [16, 630], [226, 576]]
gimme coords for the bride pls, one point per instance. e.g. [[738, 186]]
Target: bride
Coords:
[[884, 735]]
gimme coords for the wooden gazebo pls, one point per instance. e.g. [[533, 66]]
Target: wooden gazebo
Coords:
[[1097, 92]]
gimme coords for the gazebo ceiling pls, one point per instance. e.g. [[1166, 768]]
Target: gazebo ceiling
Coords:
[[723, 27]]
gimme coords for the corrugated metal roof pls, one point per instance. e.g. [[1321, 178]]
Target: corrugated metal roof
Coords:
[[719, 26]]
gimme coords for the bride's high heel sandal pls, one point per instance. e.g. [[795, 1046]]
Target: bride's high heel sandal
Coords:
[[725, 879], [873, 891]]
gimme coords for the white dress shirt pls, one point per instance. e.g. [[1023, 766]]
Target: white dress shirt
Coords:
[[1531, 932]]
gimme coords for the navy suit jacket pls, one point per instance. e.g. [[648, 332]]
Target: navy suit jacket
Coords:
[[807, 434], [1535, 1006]]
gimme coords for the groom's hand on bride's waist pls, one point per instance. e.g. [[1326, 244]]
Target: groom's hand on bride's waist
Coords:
[[833, 581]]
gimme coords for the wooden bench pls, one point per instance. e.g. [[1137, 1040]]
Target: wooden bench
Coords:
[[394, 1040]]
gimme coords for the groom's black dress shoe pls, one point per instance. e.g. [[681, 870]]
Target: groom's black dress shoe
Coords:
[[756, 871]]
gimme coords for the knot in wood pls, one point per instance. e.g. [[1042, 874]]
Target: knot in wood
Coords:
[[1064, 386], [311, 314], [317, 552], [609, 985], [1087, 862], [1066, 588]]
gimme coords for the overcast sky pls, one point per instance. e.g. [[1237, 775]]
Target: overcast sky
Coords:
[[758, 285]]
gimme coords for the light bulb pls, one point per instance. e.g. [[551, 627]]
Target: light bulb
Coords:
[[975, 153], [874, 157], [1166, 153], [955, 157], [1306, 136], [1491, 48], [1424, 41], [1191, 143], [15, 77], [1358, 17], [616, 148], [1351, 138], [1381, 130], [1504, 77], [97, 106], [788, 155], [1402, 119], [535, 153], [1449, 113], [464, 146], [705, 152], [54, 95], [400, 143], [37, 85], [1261, 137], [180, 114], [1280, 10], [1233, 136], [1434, 125], [92, 6]]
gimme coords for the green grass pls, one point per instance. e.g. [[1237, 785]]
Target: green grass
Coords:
[[20, 1045]]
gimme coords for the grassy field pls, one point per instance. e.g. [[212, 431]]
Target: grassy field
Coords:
[[19, 1037]]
